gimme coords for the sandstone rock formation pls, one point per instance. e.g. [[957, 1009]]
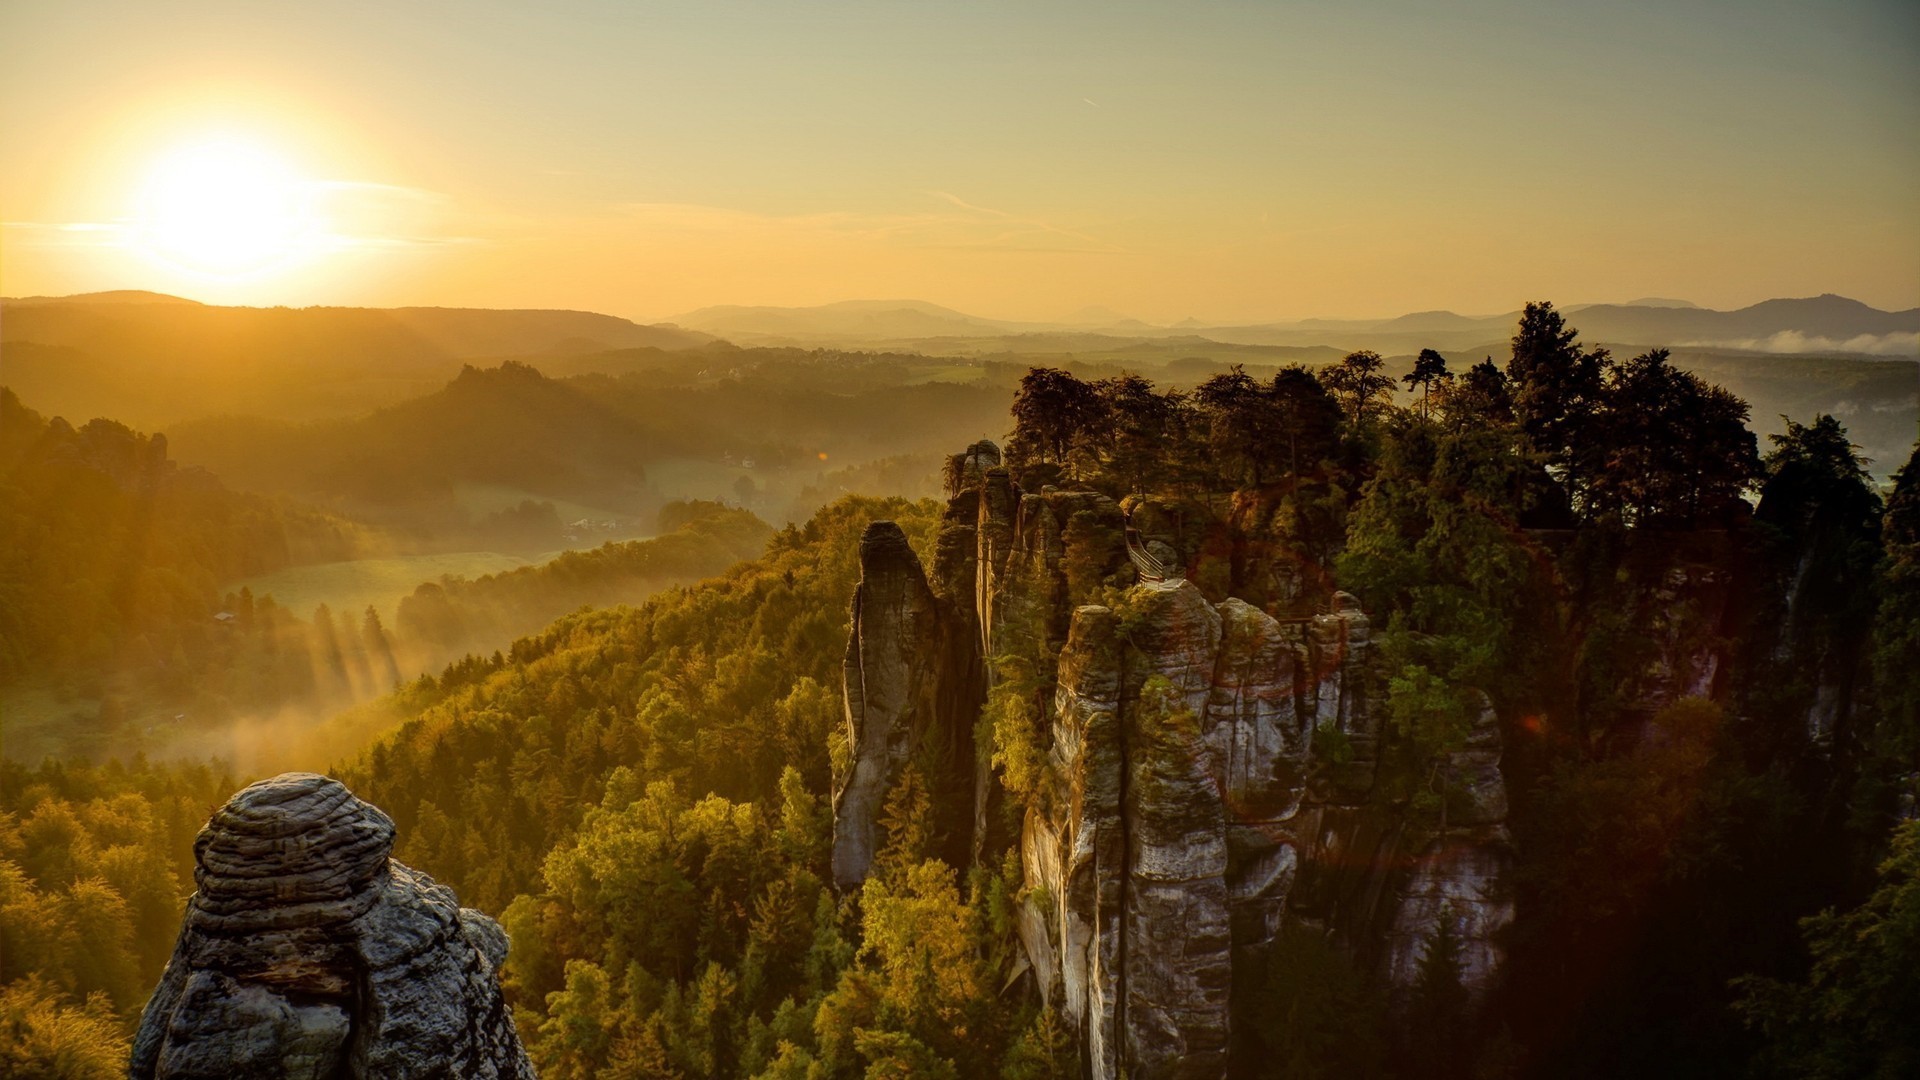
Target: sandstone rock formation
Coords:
[[1213, 767], [896, 658], [308, 952]]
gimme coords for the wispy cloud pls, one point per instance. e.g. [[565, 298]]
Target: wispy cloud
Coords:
[[67, 234], [1793, 341]]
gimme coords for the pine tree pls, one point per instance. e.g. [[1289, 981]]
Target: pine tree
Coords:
[[1437, 1010]]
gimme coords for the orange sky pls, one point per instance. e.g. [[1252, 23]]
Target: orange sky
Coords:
[[1244, 161]]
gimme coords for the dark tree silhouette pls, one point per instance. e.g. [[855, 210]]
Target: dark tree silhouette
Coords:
[[1308, 415], [1556, 388], [1051, 413], [1356, 380], [1241, 425], [1429, 368], [1142, 432], [1481, 396], [1668, 448]]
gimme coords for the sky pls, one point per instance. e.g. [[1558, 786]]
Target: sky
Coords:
[[1227, 161]]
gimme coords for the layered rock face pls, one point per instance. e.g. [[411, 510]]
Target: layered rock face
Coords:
[[308, 952], [1191, 802], [1213, 767]]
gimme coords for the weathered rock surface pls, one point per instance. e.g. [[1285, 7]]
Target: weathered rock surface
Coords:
[[1460, 876], [1193, 818], [1213, 766], [308, 952], [898, 662]]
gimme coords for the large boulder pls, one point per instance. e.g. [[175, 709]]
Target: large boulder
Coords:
[[307, 951]]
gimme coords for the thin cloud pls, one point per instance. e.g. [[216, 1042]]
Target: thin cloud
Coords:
[[1793, 341]]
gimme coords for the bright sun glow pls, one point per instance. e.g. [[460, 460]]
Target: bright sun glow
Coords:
[[227, 208]]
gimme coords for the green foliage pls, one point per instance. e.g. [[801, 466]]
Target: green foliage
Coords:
[[1429, 371], [1044, 1051], [115, 557], [1358, 382], [1052, 414], [919, 1000], [1897, 628], [447, 617], [1556, 390], [1433, 547], [1439, 1017], [716, 689], [1674, 449], [1309, 1013], [1091, 547], [1853, 1014], [41, 1036], [1623, 824], [643, 793], [1016, 714], [1431, 714], [1016, 725], [95, 867]]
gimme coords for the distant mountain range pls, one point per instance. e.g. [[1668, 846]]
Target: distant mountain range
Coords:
[[161, 327], [152, 359], [1823, 324]]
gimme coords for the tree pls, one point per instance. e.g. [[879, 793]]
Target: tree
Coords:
[[1144, 430], [1480, 397], [1820, 521], [1241, 427], [43, 1036], [1814, 473], [1357, 381], [380, 648], [1312, 1014], [1556, 389], [1897, 627], [1853, 1014], [1429, 368], [1052, 412], [1308, 415], [1670, 448], [1438, 1011], [1045, 1051]]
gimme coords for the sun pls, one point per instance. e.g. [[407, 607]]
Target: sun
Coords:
[[227, 208]]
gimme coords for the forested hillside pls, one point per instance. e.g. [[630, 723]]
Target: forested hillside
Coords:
[[1592, 696], [112, 544], [155, 360], [120, 631], [772, 430]]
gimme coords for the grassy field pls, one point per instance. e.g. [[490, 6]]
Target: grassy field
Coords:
[[351, 587]]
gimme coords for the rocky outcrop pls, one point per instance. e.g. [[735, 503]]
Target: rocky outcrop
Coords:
[[1460, 876], [906, 666], [1177, 740], [307, 951], [1193, 817], [1213, 745]]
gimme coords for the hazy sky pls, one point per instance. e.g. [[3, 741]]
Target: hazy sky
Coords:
[[1025, 160]]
